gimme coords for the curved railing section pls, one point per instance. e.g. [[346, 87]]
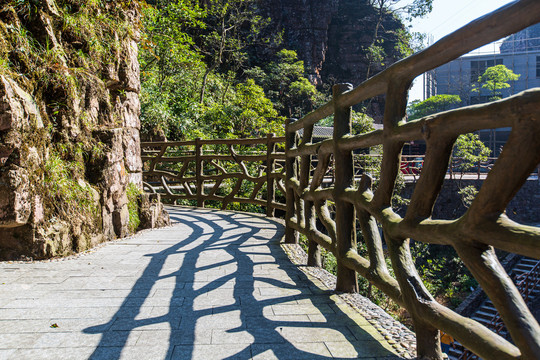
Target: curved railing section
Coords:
[[246, 171], [475, 235]]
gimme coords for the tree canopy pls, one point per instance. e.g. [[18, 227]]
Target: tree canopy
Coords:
[[198, 74], [432, 105], [496, 78]]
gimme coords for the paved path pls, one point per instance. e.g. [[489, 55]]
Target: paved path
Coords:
[[215, 285]]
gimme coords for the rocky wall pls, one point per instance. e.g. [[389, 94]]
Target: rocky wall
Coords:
[[331, 37], [69, 124]]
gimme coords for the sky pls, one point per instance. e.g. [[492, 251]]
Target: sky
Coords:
[[446, 17]]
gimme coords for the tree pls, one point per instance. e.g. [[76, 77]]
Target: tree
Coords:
[[169, 66], [432, 105], [230, 27], [407, 9], [468, 148], [470, 151], [394, 8], [177, 51], [284, 82], [166, 44], [496, 78]]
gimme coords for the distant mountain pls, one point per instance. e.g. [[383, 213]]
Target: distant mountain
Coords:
[[332, 36]]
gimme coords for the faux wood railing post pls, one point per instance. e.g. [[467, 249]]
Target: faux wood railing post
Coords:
[[199, 172], [291, 235], [309, 216], [344, 178], [270, 168]]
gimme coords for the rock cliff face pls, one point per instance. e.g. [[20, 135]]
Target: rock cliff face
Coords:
[[69, 124], [305, 25], [332, 36], [351, 32]]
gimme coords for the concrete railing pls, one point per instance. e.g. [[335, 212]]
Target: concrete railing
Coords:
[[475, 235], [220, 170], [248, 171]]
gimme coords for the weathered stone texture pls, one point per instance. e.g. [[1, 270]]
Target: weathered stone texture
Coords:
[[151, 212], [15, 201], [132, 150], [18, 111], [19, 117], [331, 37], [97, 112]]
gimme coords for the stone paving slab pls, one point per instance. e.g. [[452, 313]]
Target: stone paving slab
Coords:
[[215, 285]]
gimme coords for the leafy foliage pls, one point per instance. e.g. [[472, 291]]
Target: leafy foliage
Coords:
[[403, 10], [133, 193], [63, 53], [443, 272], [496, 78], [471, 150], [69, 198], [189, 61], [432, 105], [283, 80]]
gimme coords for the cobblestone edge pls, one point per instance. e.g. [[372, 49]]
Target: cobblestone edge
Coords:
[[396, 334]]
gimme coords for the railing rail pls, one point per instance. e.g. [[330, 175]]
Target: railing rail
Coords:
[[172, 168], [474, 235], [251, 170], [526, 283]]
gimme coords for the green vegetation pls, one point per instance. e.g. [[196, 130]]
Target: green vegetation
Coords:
[[494, 79], [66, 55], [192, 58], [199, 79], [444, 275], [202, 62], [471, 152], [90, 40], [406, 11], [66, 197], [435, 104], [133, 193], [284, 83]]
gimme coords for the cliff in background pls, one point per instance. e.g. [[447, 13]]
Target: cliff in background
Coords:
[[69, 125], [332, 36]]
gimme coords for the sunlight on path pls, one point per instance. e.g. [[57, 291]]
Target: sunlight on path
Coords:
[[215, 285]]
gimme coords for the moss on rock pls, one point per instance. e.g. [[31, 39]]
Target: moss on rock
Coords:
[[75, 63]]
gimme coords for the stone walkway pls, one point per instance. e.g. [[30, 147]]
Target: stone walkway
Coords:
[[216, 285]]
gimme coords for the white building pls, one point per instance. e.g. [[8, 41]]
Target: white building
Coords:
[[519, 52]]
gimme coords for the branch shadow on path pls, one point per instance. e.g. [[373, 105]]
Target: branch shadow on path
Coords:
[[236, 295]]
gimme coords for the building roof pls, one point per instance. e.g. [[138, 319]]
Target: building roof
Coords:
[[320, 132], [326, 132]]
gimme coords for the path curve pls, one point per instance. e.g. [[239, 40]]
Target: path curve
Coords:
[[215, 285]]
